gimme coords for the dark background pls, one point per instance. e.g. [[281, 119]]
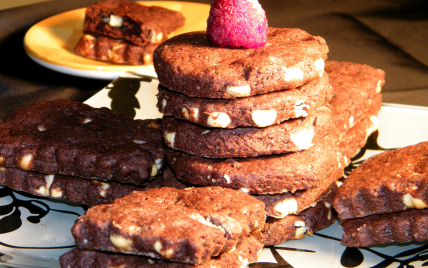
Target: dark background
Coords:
[[391, 35]]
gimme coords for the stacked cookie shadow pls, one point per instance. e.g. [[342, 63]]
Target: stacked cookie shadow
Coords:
[[262, 121], [125, 32], [73, 152]]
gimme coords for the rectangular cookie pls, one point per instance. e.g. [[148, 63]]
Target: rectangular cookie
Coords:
[[386, 228], [391, 181], [98, 47], [88, 192], [190, 225], [246, 251], [71, 138], [138, 24]]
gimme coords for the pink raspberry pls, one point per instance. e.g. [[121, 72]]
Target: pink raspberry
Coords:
[[237, 23]]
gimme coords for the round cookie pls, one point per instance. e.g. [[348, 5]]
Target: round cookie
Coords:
[[259, 175], [256, 111], [282, 205], [190, 64], [354, 89], [289, 136], [277, 231]]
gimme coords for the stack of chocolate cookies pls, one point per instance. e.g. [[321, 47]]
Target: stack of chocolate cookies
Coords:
[[254, 120], [125, 32], [73, 152]]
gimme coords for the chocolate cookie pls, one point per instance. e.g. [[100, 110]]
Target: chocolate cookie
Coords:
[[385, 228], [103, 48], [246, 251], [391, 181], [190, 225], [290, 136], [277, 205], [355, 138], [282, 205], [277, 231], [354, 86], [190, 64], [260, 175], [69, 188], [256, 111], [138, 24], [71, 138]]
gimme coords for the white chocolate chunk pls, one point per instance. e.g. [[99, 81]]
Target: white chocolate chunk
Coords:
[[138, 141], [204, 221], [351, 120], [170, 137], [319, 65], [41, 128], [154, 170], [56, 193], [218, 119], [227, 178], [87, 120], [104, 188], [205, 132], [300, 107], [115, 21], [26, 161], [328, 205], [245, 190], [44, 190], [239, 91], [286, 207], [303, 139], [165, 253], [263, 118], [158, 163], [411, 202], [185, 113], [194, 116], [121, 242], [300, 229], [292, 73], [379, 87], [164, 102], [190, 116]]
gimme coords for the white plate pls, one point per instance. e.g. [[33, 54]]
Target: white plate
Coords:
[[40, 244], [51, 42]]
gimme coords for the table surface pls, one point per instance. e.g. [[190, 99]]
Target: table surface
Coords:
[[390, 35]]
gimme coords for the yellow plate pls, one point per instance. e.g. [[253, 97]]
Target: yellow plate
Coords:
[[51, 41]]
